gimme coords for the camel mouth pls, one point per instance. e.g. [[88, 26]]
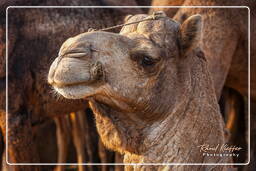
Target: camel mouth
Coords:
[[75, 90], [64, 84]]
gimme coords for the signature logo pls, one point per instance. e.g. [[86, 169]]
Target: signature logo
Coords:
[[220, 150]]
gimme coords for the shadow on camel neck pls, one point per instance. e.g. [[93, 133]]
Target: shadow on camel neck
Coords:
[[149, 88]]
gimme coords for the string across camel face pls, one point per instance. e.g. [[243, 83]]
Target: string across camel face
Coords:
[[128, 71]]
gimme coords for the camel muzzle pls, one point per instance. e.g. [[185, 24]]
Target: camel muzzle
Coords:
[[69, 71]]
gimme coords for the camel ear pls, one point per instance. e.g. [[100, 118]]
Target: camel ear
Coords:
[[190, 32]]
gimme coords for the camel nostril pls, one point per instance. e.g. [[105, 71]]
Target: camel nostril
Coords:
[[96, 71]]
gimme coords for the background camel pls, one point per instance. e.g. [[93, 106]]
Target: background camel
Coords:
[[149, 89], [32, 106]]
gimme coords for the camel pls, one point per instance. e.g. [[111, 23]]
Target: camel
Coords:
[[149, 88]]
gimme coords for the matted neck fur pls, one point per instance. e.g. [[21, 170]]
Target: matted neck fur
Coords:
[[149, 89]]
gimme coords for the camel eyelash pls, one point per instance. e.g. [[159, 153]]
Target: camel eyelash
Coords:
[[140, 55]]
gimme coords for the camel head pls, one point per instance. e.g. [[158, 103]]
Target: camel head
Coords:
[[134, 78]]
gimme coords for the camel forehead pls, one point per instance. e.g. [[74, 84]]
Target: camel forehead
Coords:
[[163, 25]]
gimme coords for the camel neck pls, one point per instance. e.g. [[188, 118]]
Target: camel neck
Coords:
[[177, 139], [193, 122]]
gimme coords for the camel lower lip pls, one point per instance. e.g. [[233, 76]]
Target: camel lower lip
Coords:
[[75, 91]]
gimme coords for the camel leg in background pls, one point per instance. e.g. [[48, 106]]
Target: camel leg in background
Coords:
[[106, 156], [103, 156], [234, 114], [77, 122], [252, 165], [89, 136], [1, 149], [63, 139], [3, 164], [119, 159]]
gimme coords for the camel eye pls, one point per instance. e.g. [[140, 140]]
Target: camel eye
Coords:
[[144, 60], [147, 61]]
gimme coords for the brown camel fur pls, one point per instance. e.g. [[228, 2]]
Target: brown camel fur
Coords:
[[149, 88]]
